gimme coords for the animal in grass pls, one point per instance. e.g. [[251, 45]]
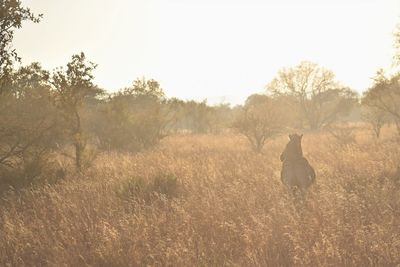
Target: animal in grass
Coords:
[[296, 170]]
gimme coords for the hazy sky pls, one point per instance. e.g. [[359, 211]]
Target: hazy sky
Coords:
[[223, 50]]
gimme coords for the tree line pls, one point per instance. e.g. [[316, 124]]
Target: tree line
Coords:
[[63, 111]]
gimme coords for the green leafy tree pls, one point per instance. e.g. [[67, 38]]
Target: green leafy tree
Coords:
[[26, 114], [133, 119], [198, 116], [12, 15], [28, 126], [145, 89], [222, 118], [175, 114], [73, 87]]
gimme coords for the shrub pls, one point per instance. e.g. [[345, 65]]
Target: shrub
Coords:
[[148, 188]]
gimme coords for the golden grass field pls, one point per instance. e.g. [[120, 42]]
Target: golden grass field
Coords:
[[208, 200]]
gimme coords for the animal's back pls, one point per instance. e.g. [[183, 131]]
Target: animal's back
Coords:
[[298, 173], [296, 170]]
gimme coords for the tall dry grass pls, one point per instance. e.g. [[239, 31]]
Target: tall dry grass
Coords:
[[211, 201]]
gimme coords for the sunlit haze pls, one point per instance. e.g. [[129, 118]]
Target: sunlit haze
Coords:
[[222, 51]]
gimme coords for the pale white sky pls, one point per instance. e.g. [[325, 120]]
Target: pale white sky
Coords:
[[223, 50]]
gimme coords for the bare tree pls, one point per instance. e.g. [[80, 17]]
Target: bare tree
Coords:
[[260, 119], [397, 45], [376, 118], [321, 100], [384, 96]]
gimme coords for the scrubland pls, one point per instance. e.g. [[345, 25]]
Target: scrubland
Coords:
[[208, 200]]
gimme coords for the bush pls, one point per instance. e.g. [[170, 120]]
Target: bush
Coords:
[[343, 133], [34, 169], [148, 188], [129, 122]]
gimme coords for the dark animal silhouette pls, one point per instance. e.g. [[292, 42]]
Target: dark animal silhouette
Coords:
[[296, 170]]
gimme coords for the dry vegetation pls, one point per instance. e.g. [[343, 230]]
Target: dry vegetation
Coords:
[[202, 200], [90, 178]]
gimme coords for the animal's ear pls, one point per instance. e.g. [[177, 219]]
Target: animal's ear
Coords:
[[290, 136]]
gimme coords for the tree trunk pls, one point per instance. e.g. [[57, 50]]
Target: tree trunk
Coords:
[[378, 133], [377, 129], [259, 144], [78, 141], [78, 155]]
